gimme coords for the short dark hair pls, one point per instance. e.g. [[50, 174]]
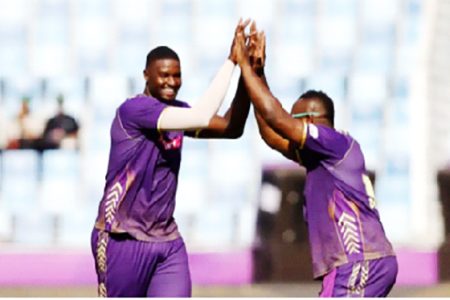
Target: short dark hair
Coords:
[[324, 99], [160, 52]]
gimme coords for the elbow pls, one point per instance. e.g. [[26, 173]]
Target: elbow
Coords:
[[235, 134], [265, 137], [203, 122], [268, 138], [200, 119], [269, 142]]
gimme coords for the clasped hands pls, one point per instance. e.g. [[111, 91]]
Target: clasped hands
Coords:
[[249, 49]]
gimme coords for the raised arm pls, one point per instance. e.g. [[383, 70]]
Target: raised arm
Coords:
[[257, 57], [232, 123], [202, 115], [268, 107]]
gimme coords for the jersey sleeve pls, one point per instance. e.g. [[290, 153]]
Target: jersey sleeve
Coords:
[[141, 113], [326, 141], [183, 104]]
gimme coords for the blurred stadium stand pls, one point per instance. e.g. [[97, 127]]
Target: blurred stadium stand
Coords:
[[281, 252], [384, 63], [444, 251]]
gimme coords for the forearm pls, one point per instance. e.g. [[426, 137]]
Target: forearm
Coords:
[[273, 139], [269, 136], [200, 114], [267, 133], [261, 96], [263, 128], [231, 125], [237, 114]]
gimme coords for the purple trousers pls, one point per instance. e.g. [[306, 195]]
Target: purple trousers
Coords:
[[369, 278], [127, 267]]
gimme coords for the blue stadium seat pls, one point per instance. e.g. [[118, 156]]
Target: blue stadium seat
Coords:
[[6, 225], [75, 226], [94, 165], [107, 92], [34, 228], [61, 177], [20, 180]]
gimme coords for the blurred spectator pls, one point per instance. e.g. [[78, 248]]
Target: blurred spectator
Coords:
[[25, 129], [61, 131]]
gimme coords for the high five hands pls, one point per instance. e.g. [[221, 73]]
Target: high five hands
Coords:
[[249, 49], [257, 48]]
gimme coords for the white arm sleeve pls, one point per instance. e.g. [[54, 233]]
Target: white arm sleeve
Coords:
[[199, 115]]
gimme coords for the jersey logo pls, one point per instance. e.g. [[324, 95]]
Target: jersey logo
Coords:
[[349, 231], [171, 144]]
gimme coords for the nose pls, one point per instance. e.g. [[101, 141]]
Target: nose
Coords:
[[172, 81]]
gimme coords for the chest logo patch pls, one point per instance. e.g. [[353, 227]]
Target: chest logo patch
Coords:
[[171, 144]]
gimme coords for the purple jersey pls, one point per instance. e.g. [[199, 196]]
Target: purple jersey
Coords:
[[343, 223], [142, 176]]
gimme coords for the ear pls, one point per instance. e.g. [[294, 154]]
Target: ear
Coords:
[[145, 75]]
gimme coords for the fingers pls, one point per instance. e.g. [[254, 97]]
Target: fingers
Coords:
[[253, 29], [262, 41], [257, 41], [246, 22], [241, 38], [253, 33], [242, 25], [249, 46]]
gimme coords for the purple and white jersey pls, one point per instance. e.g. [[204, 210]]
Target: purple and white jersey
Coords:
[[142, 176], [343, 223]]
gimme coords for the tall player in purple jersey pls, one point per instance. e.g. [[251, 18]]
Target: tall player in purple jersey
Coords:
[[350, 251], [137, 247]]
